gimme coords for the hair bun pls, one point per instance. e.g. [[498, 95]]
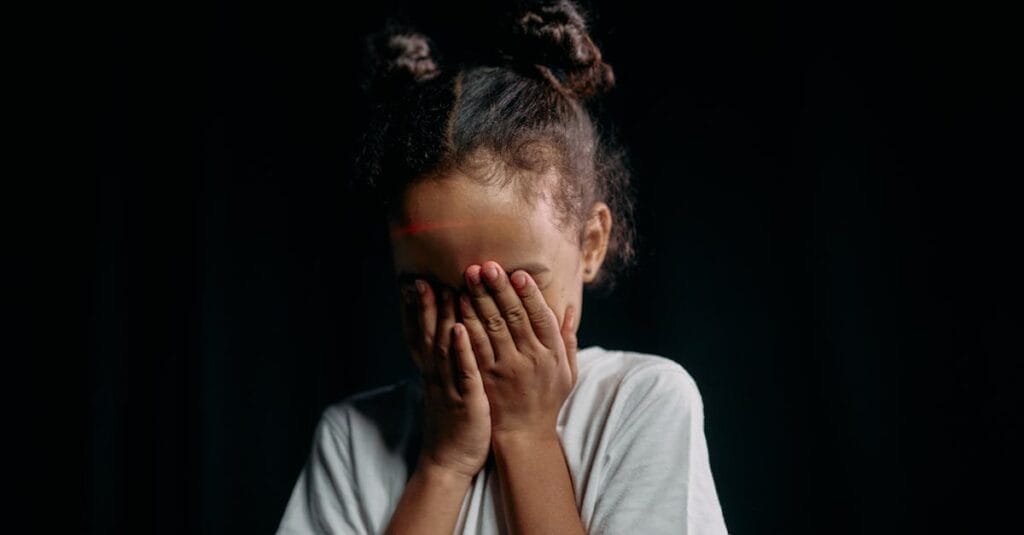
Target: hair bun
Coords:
[[398, 57], [553, 37]]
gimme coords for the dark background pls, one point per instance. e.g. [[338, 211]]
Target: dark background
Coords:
[[824, 248]]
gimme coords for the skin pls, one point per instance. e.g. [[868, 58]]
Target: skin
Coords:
[[497, 357]]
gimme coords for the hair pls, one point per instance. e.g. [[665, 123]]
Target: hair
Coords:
[[515, 114]]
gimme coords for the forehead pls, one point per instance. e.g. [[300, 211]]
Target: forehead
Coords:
[[450, 223]]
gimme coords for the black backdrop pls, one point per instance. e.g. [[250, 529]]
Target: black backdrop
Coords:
[[821, 249]]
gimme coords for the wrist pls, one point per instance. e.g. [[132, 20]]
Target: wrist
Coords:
[[513, 438], [445, 477]]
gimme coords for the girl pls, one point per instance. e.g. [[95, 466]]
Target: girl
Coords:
[[503, 201]]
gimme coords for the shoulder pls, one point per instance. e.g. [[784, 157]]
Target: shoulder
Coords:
[[623, 370], [386, 408], [622, 385]]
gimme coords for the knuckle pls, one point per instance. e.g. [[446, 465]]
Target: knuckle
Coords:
[[490, 374], [544, 319], [494, 323], [478, 341], [466, 376], [536, 347], [516, 315], [570, 336]]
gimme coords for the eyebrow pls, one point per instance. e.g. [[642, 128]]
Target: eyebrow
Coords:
[[534, 268]]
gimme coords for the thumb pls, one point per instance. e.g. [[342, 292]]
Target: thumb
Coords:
[[569, 338]]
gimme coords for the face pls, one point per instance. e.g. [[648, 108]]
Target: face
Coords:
[[453, 222]]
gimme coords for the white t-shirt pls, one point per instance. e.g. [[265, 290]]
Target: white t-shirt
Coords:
[[632, 430]]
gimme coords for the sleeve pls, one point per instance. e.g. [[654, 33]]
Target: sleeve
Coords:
[[657, 475], [325, 497]]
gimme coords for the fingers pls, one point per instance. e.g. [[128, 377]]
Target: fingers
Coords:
[[427, 317], [568, 334], [431, 322], [490, 316], [511, 306], [442, 344], [410, 305], [467, 379], [543, 321], [476, 333]]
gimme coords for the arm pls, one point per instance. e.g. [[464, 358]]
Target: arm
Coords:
[[536, 485], [455, 415], [326, 500], [430, 502], [456, 439], [529, 364]]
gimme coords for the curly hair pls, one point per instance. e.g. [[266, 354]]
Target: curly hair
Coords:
[[506, 115]]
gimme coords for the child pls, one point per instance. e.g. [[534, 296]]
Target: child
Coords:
[[504, 200]]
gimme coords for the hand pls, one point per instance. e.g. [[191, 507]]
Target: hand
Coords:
[[456, 416], [526, 361]]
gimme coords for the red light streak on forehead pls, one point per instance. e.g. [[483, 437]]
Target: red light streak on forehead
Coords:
[[418, 228]]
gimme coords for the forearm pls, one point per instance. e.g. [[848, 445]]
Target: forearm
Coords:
[[430, 503], [536, 485]]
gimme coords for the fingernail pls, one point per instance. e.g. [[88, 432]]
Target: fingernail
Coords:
[[572, 317], [421, 287], [492, 273], [519, 279], [474, 275]]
